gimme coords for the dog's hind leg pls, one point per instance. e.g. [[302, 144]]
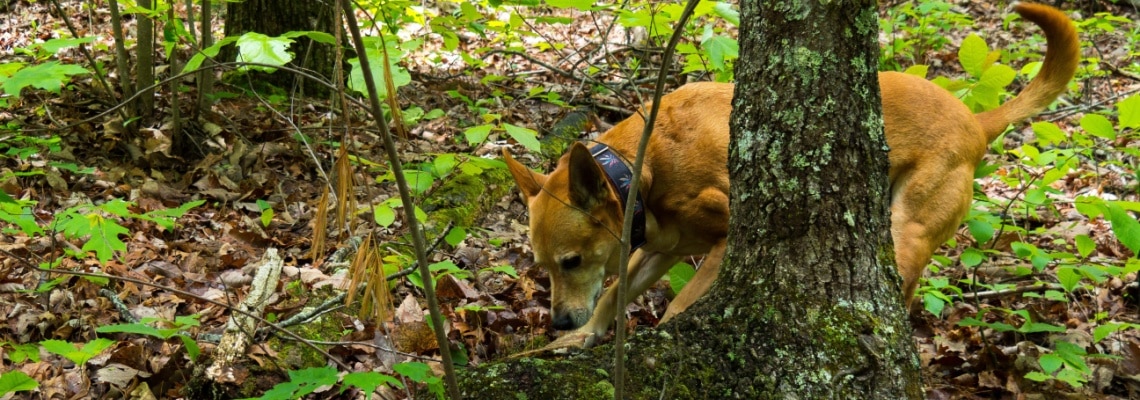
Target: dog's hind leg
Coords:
[[699, 284]]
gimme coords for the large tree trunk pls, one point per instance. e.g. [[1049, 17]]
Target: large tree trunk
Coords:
[[808, 303], [275, 17]]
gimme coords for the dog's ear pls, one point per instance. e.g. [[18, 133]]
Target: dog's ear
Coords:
[[587, 180], [529, 182]]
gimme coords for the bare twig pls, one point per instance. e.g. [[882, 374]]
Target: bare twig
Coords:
[[631, 201]]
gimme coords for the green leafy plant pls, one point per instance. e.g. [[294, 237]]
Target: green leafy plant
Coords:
[[174, 329], [13, 381], [78, 355]]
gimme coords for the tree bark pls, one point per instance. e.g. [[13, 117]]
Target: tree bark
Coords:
[[275, 17], [808, 303]]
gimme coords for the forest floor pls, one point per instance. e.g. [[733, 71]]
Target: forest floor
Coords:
[[247, 159]]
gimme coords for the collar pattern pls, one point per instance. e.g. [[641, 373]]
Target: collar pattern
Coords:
[[620, 176]]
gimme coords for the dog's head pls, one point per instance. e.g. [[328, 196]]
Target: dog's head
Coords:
[[575, 228]]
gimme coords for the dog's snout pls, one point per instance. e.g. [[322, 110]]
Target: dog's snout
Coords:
[[563, 322]]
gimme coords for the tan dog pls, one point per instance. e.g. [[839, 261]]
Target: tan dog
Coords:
[[935, 141]]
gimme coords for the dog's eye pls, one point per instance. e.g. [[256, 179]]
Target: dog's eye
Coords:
[[571, 262]]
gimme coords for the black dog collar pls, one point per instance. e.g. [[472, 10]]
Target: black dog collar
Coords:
[[620, 175]]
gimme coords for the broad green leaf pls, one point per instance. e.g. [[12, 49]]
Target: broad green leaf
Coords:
[[1085, 245], [384, 215], [583, 5], [368, 381], [972, 257], [1102, 331], [1035, 327], [1072, 354], [54, 45], [1099, 126], [477, 134], [138, 329], [260, 48], [1050, 363], [400, 76], [1068, 278], [14, 380], [982, 231], [1129, 111], [721, 49], [505, 269], [973, 54], [1125, 227], [680, 275], [418, 181], [416, 371], [1038, 377], [455, 236], [77, 355], [49, 76], [918, 70], [933, 303], [104, 240], [726, 11], [997, 77], [526, 137]]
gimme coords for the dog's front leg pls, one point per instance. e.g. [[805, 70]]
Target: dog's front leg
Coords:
[[645, 268]]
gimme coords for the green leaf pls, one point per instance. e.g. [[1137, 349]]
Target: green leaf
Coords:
[[1037, 376], [1072, 354], [1102, 331], [982, 231], [260, 48], [680, 275], [1085, 245], [997, 76], [138, 329], [584, 5], [1036, 327], [972, 55], [1129, 111], [384, 215], [1050, 363], [77, 356], [477, 134], [16, 381], [526, 137], [400, 76], [1068, 277], [368, 381], [418, 181], [972, 257], [416, 371], [1125, 227], [933, 303], [726, 11], [918, 70], [721, 49], [49, 76], [55, 45], [505, 269], [1099, 126], [1048, 133], [455, 236]]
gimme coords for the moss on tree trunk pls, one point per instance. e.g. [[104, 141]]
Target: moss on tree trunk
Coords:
[[807, 305]]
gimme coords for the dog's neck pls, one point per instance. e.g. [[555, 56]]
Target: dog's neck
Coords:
[[620, 177]]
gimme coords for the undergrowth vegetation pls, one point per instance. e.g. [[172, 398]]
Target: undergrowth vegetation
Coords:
[[1039, 288]]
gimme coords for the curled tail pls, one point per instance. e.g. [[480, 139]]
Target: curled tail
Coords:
[[1060, 64]]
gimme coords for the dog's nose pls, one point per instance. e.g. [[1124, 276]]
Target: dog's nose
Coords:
[[563, 322]]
